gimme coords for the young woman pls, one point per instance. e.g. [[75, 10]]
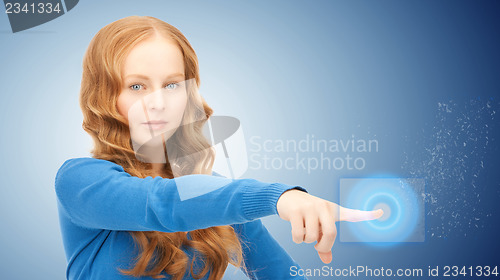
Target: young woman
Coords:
[[147, 204]]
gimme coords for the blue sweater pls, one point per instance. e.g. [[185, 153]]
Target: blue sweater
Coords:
[[99, 203]]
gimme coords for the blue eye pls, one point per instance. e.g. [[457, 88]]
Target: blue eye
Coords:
[[172, 86], [135, 87]]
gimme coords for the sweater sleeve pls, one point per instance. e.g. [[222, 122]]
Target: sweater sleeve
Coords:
[[100, 194], [264, 257]]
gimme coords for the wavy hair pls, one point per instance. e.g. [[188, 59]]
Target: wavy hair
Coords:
[[158, 252]]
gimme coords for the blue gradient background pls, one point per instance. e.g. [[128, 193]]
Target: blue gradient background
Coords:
[[285, 69]]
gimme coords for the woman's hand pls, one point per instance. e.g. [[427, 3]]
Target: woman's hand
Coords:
[[313, 219]]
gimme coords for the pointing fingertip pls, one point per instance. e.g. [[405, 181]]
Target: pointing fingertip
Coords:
[[326, 257]]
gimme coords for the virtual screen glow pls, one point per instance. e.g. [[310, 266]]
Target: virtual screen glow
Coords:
[[402, 201]]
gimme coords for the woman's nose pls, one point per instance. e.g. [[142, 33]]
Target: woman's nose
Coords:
[[156, 101]]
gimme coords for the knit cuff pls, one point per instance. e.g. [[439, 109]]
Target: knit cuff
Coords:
[[262, 202]]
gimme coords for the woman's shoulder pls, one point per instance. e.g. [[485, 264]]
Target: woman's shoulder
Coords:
[[76, 174], [86, 161], [86, 166]]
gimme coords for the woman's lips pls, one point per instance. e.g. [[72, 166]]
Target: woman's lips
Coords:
[[155, 125]]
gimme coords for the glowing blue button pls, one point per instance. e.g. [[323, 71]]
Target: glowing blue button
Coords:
[[402, 200]]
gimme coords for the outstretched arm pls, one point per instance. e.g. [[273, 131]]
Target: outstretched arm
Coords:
[[100, 194]]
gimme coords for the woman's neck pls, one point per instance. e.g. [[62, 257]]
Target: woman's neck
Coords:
[[158, 169]]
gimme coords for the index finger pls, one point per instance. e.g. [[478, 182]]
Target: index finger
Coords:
[[354, 215]]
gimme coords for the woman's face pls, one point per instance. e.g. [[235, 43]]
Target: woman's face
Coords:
[[153, 95]]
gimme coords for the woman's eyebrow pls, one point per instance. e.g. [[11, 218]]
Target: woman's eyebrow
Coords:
[[175, 75]]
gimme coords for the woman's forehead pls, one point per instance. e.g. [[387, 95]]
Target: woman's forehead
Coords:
[[154, 57]]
